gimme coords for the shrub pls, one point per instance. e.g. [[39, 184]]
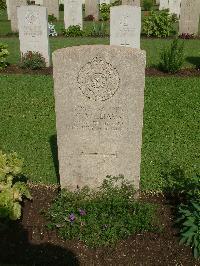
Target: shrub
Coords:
[[2, 4], [12, 190], [105, 11], [100, 217], [187, 36], [3, 55], [73, 31], [158, 24], [61, 7], [32, 60], [98, 30], [172, 58], [147, 4], [52, 18]]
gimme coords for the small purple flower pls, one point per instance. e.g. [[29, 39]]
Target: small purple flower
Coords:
[[72, 217], [82, 212]]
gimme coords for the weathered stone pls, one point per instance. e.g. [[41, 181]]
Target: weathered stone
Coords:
[[164, 4], [13, 4], [73, 13], [189, 17], [125, 26], [175, 7], [131, 2], [99, 99], [92, 8], [52, 7], [33, 30]]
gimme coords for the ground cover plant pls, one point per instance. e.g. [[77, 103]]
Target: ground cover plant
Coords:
[[102, 217], [32, 60], [3, 55]]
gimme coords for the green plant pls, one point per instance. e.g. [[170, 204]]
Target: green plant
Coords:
[[101, 217], [61, 7], [158, 24], [52, 18], [105, 11], [98, 30], [2, 4], [73, 31], [147, 4], [3, 55], [189, 222], [32, 60], [172, 58], [12, 189]]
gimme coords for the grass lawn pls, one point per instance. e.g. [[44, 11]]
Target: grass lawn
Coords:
[[171, 125], [153, 48]]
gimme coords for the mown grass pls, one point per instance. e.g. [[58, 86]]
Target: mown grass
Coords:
[[170, 135], [153, 48]]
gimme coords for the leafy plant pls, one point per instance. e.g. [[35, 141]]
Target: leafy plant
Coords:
[[32, 60], [190, 223], [187, 36], [12, 190], [61, 7], [101, 217], [89, 18], [105, 11], [147, 4], [73, 31], [158, 24], [2, 4], [3, 55], [172, 58], [98, 30], [52, 18]]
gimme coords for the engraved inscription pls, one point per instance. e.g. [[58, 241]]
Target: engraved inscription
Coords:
[[32, 25], [125, 30], [98, 80]]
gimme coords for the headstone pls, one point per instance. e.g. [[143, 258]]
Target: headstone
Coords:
[[8, 8], [52, 7], [33, 30], [164, 4], [131, 2], [125, 26], [92, 8], [39, 2], [73, 13], [189, 17], [175, 7], [104, 2], [13, 12], [99, 99], [157, 2]]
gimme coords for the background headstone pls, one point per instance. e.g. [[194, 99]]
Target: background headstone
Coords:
[[99, 99], [52, 7], [73, 13], [13, 12], [33, 30], [175, 7], [125, 26], [164, 4], [92, 8], [189, 17], [8, 8], [131, 2]]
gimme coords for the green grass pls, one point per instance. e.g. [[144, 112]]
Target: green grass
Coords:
[[153, 47], [171, 125]]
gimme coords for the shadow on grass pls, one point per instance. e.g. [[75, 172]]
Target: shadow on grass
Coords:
[[195, 60], [54, 152], [17, 249]]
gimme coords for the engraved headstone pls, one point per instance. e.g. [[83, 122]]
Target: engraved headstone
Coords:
[[99, 113], [175, 7], [73, 13], [33, 30], [52, 7], [92, 8], [8, 8], [13, 12], [189, 17], [164, 4], [131, 2], [125, 26]]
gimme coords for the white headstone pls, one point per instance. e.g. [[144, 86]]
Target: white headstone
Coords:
[[8, 8], [164, 4], [189, 17], [131, 2], [13, 12], [73, 13], [92, 8], [33, 30], [52, 7], [125, 26], [175, 7]]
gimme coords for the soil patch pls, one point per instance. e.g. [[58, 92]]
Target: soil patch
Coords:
[[29, 242], [150, 72]]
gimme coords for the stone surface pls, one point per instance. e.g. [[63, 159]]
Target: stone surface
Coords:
[[189, 17], [175, 7], [125, 26], [73, 13], [92, 8], [33, 30], [13, 12], [99, 99], [52, 7], [8, 8], [164, 4], [131, 2], [104, 2]]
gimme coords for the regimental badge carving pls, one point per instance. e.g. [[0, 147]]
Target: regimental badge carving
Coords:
[[98, 80], [32, 18]]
